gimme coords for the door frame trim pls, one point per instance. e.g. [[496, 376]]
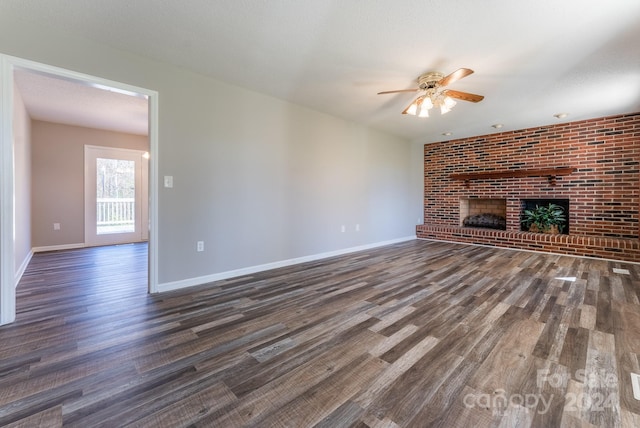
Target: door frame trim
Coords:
[[8, 281]]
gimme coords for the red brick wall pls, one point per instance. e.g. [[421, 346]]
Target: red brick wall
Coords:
[[604, 192]]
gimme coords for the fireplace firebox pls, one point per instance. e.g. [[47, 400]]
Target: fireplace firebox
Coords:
[[531, 204], [485, 213]]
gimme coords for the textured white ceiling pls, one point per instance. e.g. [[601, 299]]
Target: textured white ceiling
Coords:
[[531, 58], [57, 100]]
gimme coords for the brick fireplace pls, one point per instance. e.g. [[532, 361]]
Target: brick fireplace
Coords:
[[597, 163]]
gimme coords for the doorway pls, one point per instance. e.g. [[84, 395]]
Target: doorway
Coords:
[[115, 196], [8, 64]]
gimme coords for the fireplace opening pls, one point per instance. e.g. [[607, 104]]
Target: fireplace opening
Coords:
[[486, 213], [531, 204]]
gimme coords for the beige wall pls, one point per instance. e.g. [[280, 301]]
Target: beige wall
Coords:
[[58, 178], [22, 159]]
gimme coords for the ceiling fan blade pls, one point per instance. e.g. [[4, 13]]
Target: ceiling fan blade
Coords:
[[398, 91], [456, 75], [464, 96]]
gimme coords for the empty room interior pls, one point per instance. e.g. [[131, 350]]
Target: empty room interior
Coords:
[[320, 213]]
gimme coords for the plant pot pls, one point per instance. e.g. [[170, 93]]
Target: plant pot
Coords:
[[553, 229]]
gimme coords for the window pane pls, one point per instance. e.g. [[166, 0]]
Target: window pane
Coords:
[[115, 193]]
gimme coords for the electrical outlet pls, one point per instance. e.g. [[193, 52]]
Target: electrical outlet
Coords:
[[168, 181], [358, 227], [200, 246], [343, 229], [56, 226]]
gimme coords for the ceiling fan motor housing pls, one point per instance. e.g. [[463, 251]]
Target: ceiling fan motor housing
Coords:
[[429, 80]]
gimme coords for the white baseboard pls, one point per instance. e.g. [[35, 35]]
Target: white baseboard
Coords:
[[190, 282], [22, 268], [58, 247]]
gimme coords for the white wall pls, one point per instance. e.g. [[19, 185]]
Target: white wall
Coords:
[[257, 188], [22, 165], [417, 181]]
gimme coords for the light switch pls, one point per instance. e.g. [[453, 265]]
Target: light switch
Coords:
[[168, 181]]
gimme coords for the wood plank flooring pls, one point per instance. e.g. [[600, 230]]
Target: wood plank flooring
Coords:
[[416, 334]]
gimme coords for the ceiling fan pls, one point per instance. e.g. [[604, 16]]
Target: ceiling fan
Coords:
[[434, 95]]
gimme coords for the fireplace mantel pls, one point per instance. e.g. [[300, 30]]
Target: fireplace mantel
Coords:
[[551, 173]]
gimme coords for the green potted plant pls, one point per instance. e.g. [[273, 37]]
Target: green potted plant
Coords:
[[544, 219]]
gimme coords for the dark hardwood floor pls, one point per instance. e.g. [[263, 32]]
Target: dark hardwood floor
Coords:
[[417, 334]]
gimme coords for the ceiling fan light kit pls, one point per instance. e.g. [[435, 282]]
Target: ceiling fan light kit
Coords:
[[434, 95], [420, 106]]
